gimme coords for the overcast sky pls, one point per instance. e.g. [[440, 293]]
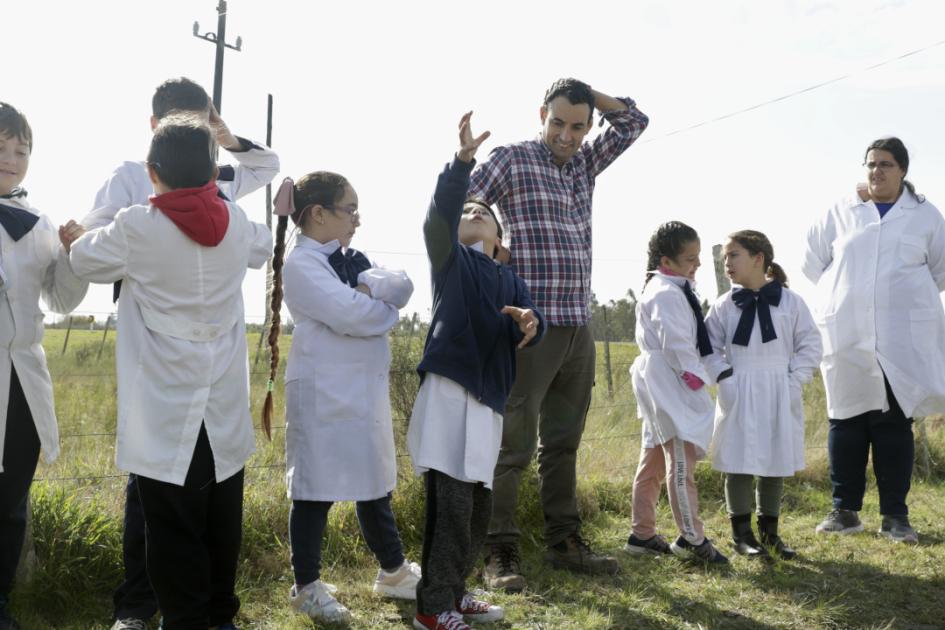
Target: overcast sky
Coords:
[[374, 91]]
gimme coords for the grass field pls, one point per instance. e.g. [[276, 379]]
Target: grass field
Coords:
[[854, 582]]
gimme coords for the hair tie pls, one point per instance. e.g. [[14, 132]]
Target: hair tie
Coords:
[[269, 386], [284, 206]]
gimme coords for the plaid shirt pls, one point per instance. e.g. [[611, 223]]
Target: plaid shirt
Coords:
[[546, 212]]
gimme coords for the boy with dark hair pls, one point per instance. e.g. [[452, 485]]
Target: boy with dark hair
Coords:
[[32, 265], [184, 428], [130, 185]]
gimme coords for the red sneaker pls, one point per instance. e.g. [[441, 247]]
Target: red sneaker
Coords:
[[449, 620], [477, 610]]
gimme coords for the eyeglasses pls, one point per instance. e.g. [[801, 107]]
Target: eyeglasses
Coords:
[[352, 213], [883, 166]]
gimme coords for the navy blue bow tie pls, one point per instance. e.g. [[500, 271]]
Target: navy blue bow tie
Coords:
[[756, 301], [702, 335], [13, 194], [348, 265], [17, 221]]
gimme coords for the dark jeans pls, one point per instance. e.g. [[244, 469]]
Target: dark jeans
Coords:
[[134, 598], [193, 537], [307, 520], [457, 518], [20, 456], [546, 410], [890, 436]]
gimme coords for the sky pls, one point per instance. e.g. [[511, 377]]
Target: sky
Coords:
[[374, 91]]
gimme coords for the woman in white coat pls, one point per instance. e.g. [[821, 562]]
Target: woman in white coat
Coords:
[[32, 266], [759, 418], [878, 259], [339, 432]]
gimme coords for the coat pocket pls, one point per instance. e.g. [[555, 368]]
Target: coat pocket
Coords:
[[339, 393], [925, 329], [912, 250]]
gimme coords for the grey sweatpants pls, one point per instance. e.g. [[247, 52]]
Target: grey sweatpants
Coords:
[[457, 517]]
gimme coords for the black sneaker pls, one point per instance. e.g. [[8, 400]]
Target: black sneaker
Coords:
[[574, 554], [840, 522], [503, 570], [653, 546], [898, 529], [705, 552]]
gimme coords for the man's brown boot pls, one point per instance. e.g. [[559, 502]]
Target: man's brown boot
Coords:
[[503, 570], [574, 554]]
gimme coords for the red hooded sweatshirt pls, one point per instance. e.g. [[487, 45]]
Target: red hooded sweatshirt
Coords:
[[200, 213]]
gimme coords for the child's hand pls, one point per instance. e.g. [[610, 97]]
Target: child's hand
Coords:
[[502, 253], [365, 289], [526, 320], [467, 144], [70, 233], [223, 136]]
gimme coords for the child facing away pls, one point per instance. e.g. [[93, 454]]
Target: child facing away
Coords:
[[339, 431], [184, 426], [482, 314], [759, 418], [32, 266], [669, 380], [129, 185]]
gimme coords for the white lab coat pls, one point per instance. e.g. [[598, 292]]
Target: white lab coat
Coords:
[[129, 184], [181, 350], [33, 267], [759, 414], [880, 311], [666, 336], [339, 433]]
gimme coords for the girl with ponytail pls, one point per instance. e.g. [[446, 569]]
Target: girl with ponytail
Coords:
[[759, 417], [339, 431]]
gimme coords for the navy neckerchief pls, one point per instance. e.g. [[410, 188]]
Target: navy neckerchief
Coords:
[[702, 335], [348, 265], [13, 194], [750, 302], [17, 221]]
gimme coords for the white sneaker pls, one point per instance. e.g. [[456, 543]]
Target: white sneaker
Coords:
[[399, 584], [318, 602]]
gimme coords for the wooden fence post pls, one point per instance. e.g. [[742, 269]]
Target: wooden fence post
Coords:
[[610, 378], [68, 330], [721, 280], [108, 320]]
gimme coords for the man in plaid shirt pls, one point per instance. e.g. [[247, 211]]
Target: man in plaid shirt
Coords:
[[544, 189]]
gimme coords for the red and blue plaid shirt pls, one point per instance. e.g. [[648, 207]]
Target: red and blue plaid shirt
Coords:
[[546, 212]]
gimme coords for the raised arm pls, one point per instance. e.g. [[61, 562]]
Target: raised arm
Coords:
[[446, 209], [257, 163], [627, 123], [101, 255], [61, 290]]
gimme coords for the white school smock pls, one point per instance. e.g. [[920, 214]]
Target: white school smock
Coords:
[[339, 437], [759, 411], [34, 266], [181, 353], [880, 311], [452, 432], [129, 184], [666, 336]]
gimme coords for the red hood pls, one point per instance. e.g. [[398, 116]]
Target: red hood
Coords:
[[199, 213]]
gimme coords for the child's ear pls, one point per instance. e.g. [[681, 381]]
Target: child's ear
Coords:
[[153, 176], [154, 122]]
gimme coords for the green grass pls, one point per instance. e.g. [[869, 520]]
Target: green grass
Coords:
[[853, 582]]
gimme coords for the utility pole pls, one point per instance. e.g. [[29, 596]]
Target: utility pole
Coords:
[[219, 40]]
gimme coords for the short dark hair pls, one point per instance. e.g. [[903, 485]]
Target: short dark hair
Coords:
[[482, 204], [182, 153], [13, 123], [179, 94], [577, 92]]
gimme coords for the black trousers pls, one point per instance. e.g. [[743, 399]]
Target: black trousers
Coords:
[[134, 597], [457, 521], [890, 436], [307, 520], [193, 535], [20, 456]]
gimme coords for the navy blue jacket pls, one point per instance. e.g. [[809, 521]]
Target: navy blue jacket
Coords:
[[470, 341]]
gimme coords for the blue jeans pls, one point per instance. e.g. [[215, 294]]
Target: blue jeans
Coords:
[[307, 520]]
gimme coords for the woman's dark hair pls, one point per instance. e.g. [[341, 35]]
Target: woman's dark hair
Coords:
[[180, 94], [756, 243], [181, 153], [320, 188], [897, 148], [13, 124], [668, 240]]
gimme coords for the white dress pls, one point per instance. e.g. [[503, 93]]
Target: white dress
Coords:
[[759, 417], [339, 433], [666, 336], [33, 267]]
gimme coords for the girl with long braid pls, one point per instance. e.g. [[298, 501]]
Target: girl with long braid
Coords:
[[339, 432], [669, 384], [759, 418]]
